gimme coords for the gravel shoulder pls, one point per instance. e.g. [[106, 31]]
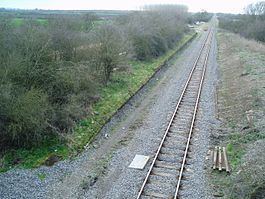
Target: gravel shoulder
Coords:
[[196, 183], [122, 182], [101, 171]]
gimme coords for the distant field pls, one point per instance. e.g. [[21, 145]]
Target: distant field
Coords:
[[20, 21], [44, 14]]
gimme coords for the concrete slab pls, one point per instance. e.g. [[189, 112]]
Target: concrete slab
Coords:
[[139, 162]]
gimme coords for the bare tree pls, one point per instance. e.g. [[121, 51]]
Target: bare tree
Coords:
[[256, 9], [108, 46], [89, 21]]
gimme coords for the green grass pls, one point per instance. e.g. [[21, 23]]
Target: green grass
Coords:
[[41, 176], [243, 59], [20, 21], [17, 22], [25, 158], [235, 154], [42, 21], [122, 86], [114, 95], [236, 147]]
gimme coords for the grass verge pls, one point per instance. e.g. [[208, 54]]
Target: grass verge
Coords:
[[121, 88], [240, 106]]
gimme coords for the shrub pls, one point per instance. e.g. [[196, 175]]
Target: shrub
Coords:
[[71, 95], [64, 38], [249, 25], [89, 21], [108, 49], [250, 181], [50, 73], [25, 116], [200, 16], [153, 31], [40, 95]]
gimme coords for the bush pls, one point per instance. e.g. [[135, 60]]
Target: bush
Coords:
[[50, 73], [40, 94], [250, 25], [64, 38], [29, 115], [250, 181], [153, 31], [24, 116], [200, 16], [108, 46]]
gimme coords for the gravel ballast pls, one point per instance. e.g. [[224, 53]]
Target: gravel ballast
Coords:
[[196, 184], [101, 171]]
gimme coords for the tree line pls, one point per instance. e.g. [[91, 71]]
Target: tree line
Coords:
[[250, 25]]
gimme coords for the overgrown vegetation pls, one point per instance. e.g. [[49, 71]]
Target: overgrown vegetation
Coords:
[[54, 76], [122, 86], [202, 16], [241, 109], [250, 25]]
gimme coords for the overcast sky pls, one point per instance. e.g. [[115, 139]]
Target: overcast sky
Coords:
[[228, 6]]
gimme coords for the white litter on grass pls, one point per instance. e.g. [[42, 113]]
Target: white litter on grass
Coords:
[[139, 162]]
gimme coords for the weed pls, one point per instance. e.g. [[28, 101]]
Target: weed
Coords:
[[34, 157], [116, 93], [85, 185], [41, 176], [242, 96], [112, 97], [235, 154]]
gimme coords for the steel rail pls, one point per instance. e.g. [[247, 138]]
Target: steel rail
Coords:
[[173, 115], [193, 121]]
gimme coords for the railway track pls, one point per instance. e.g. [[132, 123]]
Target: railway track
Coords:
[[163, 179]]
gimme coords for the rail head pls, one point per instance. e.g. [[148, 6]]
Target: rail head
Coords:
[[173, 115], [193, 121]]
